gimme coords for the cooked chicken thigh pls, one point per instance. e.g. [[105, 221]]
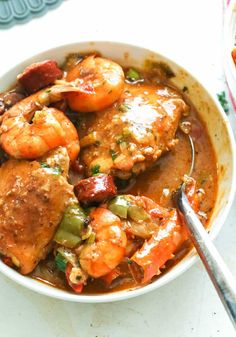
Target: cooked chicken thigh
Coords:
[[33, 197], [133, 133]]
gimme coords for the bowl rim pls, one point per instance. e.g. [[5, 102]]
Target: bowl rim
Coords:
[[43, 288]]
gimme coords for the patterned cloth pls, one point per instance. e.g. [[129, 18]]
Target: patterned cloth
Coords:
[[18, 11]]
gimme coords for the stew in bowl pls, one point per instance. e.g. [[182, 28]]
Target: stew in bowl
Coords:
[[93, 151]]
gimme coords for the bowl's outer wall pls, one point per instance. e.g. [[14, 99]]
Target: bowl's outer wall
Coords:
[[219, 131]]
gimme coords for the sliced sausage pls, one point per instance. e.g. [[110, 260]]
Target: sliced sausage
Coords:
[[95, 189], [39, 75]]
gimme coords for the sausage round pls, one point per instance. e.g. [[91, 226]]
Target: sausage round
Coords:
[[95, 189], [39, 75]]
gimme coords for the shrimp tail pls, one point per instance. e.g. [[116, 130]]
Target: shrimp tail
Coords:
[[165, 241], [160, 247]]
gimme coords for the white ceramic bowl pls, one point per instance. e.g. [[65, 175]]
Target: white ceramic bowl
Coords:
[[219, 131], [229, 38]]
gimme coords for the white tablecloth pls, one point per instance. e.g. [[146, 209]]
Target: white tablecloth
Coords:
[[190, 32]]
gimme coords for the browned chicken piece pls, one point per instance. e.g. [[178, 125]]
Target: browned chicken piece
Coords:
[[58, 159], [32, 201], [132, 134]]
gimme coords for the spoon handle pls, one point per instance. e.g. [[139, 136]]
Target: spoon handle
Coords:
[[219, 273]]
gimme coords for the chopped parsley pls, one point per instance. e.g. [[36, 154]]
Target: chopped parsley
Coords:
[[45, 165], [223, 101], [53, 170], [113, 154], [95, 169], [123, 137], [56, 170]]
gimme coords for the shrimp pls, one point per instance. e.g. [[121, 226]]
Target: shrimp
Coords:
[[101, 82], [160, 247], [108, 250], [29, 130], [166, 239]]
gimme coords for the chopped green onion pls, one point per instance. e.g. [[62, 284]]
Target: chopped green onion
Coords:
[[44, 165], [137, 213], [95, 169], [123, 137], [60, 262], [119, 206], [68, 255], [132, 75], [56, 170]]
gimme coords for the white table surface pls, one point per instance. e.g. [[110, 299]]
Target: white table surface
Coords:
[[189, 32]]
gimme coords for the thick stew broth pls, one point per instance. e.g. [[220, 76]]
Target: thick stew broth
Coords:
[[139, 147], [158, 182]]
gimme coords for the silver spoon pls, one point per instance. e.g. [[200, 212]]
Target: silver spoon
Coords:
[[219, 273]]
